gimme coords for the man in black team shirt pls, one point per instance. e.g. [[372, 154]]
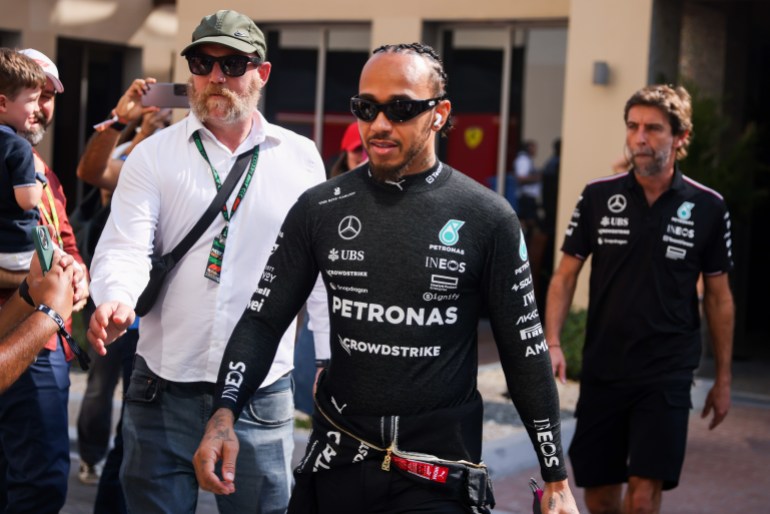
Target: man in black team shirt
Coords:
[[411, 252], [651, 231]]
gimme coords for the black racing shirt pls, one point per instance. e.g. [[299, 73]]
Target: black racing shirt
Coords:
[[408, 268], [643, 321]]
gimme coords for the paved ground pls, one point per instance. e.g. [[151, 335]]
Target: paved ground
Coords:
[[726, 470]]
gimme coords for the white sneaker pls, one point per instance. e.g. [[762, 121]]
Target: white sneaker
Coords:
[[88, 475]]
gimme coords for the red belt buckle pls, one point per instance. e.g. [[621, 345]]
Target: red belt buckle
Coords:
[[432, 472]]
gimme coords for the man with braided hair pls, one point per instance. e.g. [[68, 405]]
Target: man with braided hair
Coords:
[[652, 231], [411, 252]]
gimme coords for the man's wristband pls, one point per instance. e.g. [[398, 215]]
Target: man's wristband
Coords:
[[53, 315], [322, 363], [24, 292], [118, 126]]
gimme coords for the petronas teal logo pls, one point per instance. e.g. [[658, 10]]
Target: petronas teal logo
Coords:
[[450, 234], [685, 210], [522, 247]]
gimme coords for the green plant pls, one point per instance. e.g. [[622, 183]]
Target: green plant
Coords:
[[723, 160], [572, 339]]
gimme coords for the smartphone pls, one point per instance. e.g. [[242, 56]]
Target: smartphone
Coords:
[[44, 247], [166, 94]]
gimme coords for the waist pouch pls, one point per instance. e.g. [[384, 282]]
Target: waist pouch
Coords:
[[161, 267], [339, 440], [468, 482]]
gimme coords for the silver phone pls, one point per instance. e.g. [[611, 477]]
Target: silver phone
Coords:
[[166, 94]]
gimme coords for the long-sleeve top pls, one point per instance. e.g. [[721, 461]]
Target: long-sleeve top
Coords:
[[409, 269]]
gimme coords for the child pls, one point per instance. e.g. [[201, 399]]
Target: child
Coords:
[[21, 81]]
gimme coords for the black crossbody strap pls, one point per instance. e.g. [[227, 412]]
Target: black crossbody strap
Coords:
[[236, 172]]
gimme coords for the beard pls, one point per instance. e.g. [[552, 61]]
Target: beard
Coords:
[[394, 172], [653, 166], [37, 132], [234, 106]]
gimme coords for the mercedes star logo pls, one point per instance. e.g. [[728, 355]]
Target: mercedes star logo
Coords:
[[617, 203], [349, 228]]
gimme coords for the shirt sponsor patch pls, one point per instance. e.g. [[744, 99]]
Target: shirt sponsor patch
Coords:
[[675, 253], [388, 350]]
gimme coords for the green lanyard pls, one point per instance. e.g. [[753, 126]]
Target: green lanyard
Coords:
[[214, 264]]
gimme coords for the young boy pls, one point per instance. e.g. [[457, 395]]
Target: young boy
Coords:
[[21, 81]]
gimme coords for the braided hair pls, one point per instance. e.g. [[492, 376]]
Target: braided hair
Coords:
[[437, 67]]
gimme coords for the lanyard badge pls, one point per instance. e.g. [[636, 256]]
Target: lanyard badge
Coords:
[[214, 264]]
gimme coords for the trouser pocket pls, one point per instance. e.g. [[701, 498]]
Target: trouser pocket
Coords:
[[145, 386]]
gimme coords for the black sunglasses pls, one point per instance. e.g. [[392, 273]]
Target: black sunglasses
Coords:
[[396, 111], [232, 65]]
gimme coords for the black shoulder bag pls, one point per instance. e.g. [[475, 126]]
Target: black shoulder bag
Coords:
[[162, 265]]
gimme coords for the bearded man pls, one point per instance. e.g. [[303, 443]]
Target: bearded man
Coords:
[[652, 232], [165, 185]]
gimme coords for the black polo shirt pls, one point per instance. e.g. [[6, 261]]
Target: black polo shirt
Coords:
[[643, 321]]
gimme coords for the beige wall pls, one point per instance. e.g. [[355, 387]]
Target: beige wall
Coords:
[[122, 22], [392, 21], [618, 32], [111, 21]]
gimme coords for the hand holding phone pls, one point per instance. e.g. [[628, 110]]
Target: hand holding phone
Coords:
[[166, 94], [44, 247]]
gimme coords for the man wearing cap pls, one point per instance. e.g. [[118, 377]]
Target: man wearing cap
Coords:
[[165, 185], [34, 440]]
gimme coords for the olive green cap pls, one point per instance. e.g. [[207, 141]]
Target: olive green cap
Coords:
[[231, 29]]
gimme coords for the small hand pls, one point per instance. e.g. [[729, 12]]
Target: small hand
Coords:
[[130, 106], [55, 288], [718, 400], [558, 363], [219, 443], [558, 499], [108, 322]]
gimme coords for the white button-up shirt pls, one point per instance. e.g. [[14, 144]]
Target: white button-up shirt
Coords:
[[164, 188]]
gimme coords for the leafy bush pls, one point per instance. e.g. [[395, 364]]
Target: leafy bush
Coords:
[[572, 339], [724, 158]]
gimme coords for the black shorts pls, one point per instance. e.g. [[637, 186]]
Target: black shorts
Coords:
[[630, 431]]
